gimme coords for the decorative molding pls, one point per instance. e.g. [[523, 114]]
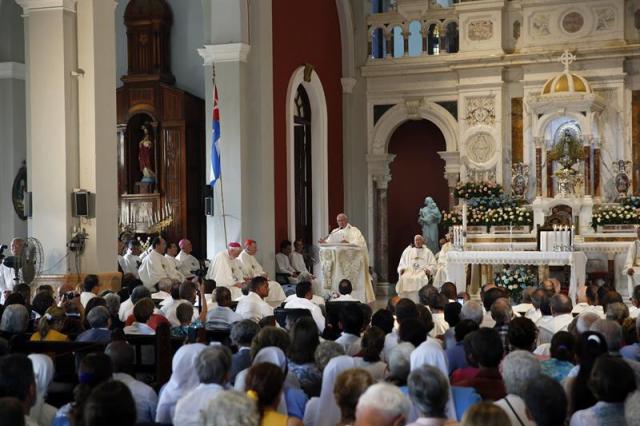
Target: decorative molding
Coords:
[[480, 110], [230, 52], [348, 83], [12, 70], [481, 148], [39, 5], [480, 30]]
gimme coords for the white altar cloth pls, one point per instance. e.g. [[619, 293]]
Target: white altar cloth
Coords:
[[342, 260], [457, 260]]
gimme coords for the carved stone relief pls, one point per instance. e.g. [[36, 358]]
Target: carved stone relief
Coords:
[[480, 30], [516, 30], [540, 25], [606, 18], [481, 148], [480, 110], [572, 22]]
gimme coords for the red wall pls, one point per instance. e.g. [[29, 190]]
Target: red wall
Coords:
[[417, 172], [306, 32]]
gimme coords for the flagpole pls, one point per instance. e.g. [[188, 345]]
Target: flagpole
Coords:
[[224, 216]]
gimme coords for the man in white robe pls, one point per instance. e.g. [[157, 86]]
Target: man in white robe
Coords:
[[252, 269], [440, 276], [417, 265], [297, 258], [348, 234], [130, 262], [226, 270], [283, 263], [8, 275], [172, 265], [154, 266], [188, 262], [632, 265]]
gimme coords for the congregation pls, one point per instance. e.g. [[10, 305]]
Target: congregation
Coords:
[[450, 358]]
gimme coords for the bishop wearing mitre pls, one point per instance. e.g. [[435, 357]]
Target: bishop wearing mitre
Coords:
[[632, 264], [226, 270], [252, 268], [154, 266], [417, 265]]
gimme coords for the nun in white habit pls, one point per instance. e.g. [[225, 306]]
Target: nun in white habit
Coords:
[[43, 370], [183, 379]]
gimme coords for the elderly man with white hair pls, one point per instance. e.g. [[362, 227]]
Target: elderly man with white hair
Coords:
[[417, 266], [518, 369], [382, 405], [226, 270], [252, 268], [429, 392], [8, 275], [188, 263]]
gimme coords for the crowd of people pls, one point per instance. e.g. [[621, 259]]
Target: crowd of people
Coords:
[[446, 359]]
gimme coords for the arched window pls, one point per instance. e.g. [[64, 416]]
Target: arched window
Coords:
[[302, 166]]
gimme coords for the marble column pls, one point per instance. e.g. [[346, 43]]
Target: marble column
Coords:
[[538, 142], [452, 181], [382, 239], [586, 149], [597, 190]]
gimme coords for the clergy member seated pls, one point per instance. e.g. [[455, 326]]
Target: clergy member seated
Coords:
[[90, 288], [153, 267], [188, 262], [131, 259], [226, 270], [417, 266], [440, 276], [222, 316], [252, 268], [304, 294], [344, 292], [253, 306], [297, 257], [284, 268], [172, 265]]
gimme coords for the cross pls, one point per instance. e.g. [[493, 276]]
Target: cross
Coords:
[[566, 59]]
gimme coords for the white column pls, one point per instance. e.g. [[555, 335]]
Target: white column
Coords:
[[52, 109], [97, 118]]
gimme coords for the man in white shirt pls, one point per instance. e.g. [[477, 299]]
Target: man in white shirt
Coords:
[[142, 311], [252, 306], [188, 262], [122, 356], [304, 293], [130, 262], [252, 268], [283, 263], [172, 265], [344, 292], [561, 307], [226, 270], [417, 266], [588, 301], [436, 302], [154, 267], [351, 322], [90, 289], [212, 367], [222, 316], [8, 275], [164, 289], [187, 294]]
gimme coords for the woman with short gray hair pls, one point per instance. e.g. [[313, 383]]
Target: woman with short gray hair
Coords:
[[231, 408], [429, 392], [518, 369], [15, 319]]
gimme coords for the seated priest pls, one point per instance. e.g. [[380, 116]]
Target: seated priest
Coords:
[[283, 263], [8, 275], [226, 270], [252, 268], [188, 262], [297, 257], [130, 261], [417, 266], [154, 266], [253, 306], [632, 264], [172, 264], [440, 276]]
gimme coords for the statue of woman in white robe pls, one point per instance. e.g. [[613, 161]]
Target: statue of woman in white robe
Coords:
[[429, 218]]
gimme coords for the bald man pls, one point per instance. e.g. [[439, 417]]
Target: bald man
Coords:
[[8, 275], [226, 270], [345, 233], [417, 265], [188, 263], [252, 269]]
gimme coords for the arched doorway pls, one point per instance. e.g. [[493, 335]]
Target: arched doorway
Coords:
[[416, 172], [302, 166]]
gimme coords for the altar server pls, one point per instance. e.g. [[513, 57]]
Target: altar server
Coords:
[[632, 264], [188, 263], [226, 270], [131, 260], [417, 265], [154, 266], [172, 265], [252, 268]]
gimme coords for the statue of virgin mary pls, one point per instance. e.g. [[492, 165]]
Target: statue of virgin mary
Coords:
[[429, 217]]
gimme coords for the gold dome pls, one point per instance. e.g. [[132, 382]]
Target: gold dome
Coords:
[[566, 82]]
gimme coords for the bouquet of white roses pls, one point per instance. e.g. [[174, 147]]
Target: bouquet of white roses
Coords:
[[615, 215], [515, 280], [515, 216]]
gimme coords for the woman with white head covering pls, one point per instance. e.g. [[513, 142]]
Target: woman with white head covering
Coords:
[[323, 410], [43, 370], [183, 379]]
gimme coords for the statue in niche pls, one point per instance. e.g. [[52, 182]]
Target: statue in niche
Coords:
[[429, 217], [145, 157]]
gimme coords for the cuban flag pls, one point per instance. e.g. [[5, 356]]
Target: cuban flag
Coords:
[[215, 140]]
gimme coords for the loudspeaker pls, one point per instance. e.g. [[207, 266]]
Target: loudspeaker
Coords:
[[208, 206], [82, 204], [28, 207]]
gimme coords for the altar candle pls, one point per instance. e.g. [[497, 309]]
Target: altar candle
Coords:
[[464, 215], [573, 235]]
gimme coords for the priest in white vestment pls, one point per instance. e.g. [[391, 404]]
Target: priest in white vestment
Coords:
[[417, 265], [130, 262], [154, 265], [226, 270], [8, 275], [188, 262], [348, 234], [440, 276], [632, 265], [252, 269], [172, 265]]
